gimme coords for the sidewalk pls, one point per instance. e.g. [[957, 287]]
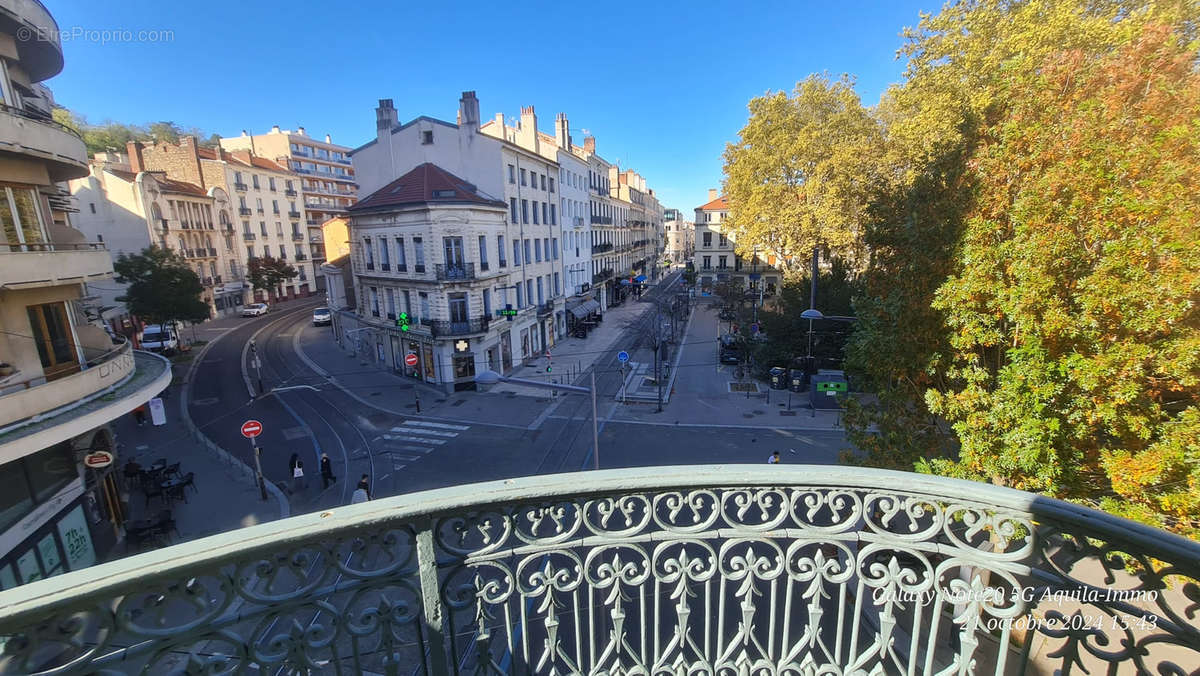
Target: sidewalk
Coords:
[[703, 395], [395, 394], [571, 357], [225, 498]]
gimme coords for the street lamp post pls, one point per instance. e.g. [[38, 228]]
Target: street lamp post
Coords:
[[489, 377]]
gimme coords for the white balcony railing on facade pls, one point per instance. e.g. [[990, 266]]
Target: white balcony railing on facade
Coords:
[[671, 570]]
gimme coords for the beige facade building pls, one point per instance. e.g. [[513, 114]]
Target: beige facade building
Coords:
[[62, 378], [716, 260], [327, 184], [130, 208], [680, 236]]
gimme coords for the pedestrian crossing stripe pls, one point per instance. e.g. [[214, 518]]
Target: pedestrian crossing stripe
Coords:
[[421, 430], [420, 440], [422, 423]]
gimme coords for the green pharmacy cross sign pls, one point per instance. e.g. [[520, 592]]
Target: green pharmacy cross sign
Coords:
[[402, 321], [508, 312], [831, 387]]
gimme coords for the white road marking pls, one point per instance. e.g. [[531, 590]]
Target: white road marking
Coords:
[[142, 447], [418, 449], [420, 440], [421, 430], [442, 426]]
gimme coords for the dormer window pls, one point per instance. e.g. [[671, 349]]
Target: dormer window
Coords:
[[426, 137], [443, 193]]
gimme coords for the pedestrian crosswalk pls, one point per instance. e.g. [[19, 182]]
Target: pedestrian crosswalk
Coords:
[[416, 437]]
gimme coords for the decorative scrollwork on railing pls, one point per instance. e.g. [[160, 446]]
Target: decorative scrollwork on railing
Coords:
[[761, 576]]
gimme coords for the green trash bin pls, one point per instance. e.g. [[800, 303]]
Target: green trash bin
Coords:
[[826, 388]]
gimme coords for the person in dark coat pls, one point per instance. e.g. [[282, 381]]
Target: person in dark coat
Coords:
[[327, 476], [292, 463], [365, 484]]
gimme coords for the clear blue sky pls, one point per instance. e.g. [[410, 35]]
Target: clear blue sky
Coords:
[[662, 85]]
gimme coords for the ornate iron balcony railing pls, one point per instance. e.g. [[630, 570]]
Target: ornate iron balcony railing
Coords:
[[671, 570]]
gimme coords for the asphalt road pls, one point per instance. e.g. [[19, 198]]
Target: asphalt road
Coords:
[[406, 453]]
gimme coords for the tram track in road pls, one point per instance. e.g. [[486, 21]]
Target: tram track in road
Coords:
[[277, 363]]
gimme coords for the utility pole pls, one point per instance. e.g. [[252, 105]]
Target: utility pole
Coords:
[[262, 486]]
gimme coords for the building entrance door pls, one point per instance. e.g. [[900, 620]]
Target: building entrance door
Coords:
[[506, 352]]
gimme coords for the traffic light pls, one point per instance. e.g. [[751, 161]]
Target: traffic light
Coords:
[[402, 321]]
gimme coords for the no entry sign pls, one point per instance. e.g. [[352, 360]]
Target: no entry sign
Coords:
[[410, 359], [251, 429]]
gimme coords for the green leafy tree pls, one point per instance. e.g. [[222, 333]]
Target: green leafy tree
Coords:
[[798, 177], [115, 135], [956, 87], [268, 273], [1074, 329], [162, 288]]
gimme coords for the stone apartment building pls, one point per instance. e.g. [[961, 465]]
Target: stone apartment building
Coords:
[[130, 208], [326, 185], [63, 379], [640, 255], [715, 258], [503, 252]]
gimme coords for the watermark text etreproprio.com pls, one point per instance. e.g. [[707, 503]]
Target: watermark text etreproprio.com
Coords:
[[99, 35]]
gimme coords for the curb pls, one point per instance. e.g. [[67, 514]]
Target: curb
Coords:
[[233, 461]]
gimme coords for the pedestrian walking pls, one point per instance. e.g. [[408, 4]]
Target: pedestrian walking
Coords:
[[139, 414], [364, 484], [298, 476], [774, 459], [327, 476], [292, 463]]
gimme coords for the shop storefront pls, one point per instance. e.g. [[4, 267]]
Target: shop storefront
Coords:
[[56, 514]]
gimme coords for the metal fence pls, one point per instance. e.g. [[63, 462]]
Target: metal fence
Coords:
[[671, 570]]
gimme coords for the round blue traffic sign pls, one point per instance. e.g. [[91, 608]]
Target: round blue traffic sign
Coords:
[[622, 356]]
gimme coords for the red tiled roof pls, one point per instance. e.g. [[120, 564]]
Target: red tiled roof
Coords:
[[181, 187], [716, 205], [243, 157], [426, 183], [168, 185], [122, 174]]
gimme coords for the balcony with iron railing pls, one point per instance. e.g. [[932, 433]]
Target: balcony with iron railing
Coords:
[[545, 309], [249, 236], [461, 272], [602, 220], [602, 275], [293, 214], [730, 569], [290, 192], [239, 186], [244, 211], [297, 236], [442, 328], [602, 247]]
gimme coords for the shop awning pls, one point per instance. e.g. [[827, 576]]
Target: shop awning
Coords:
[[584, 309], [639, 279]]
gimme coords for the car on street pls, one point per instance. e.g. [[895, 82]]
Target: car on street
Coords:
[[730, 355], [160, 338], [322, 317], [255, 310]]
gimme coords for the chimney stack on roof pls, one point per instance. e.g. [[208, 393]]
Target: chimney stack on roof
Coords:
[[385, 117], [274, 129], [468, 111], [712, 194], [244, 133], [562, 131], [589, 144], [134, 148], [328, 138], [527, 129]]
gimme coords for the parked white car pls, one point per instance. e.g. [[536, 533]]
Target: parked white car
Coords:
[[255, 309], [159, 338], [322, 316]]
